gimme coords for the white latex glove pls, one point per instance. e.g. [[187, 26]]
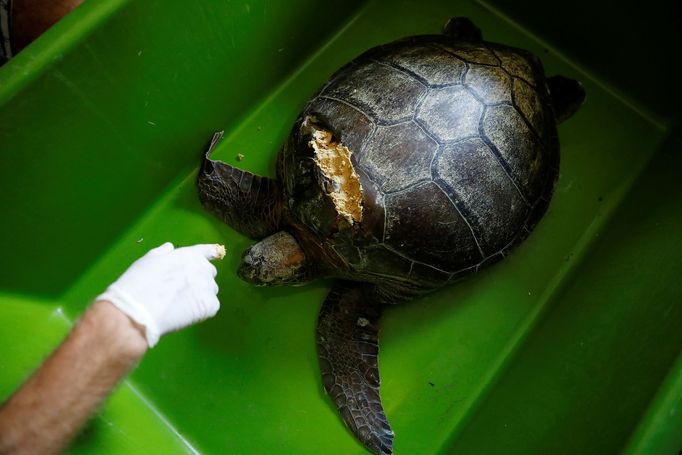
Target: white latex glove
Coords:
[[168, 288]]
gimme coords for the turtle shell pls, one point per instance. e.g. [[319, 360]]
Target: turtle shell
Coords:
[[456, 150]]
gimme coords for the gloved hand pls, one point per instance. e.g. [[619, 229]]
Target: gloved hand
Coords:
[[168, 288]]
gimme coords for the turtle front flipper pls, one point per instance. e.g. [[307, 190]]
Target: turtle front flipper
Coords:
[[347, 345], [249, 203]]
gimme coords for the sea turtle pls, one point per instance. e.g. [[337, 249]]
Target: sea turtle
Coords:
[[416, 164]]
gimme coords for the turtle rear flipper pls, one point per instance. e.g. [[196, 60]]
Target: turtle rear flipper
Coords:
[[347, 345], [462, 29], [249, 203], [567, 96]]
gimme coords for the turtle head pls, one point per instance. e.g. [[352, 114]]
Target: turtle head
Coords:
[[275, 260]]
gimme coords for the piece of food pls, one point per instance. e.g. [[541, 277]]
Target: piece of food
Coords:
[[220, 251]]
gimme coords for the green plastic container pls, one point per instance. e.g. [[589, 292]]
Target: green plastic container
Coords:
[[571, 345]]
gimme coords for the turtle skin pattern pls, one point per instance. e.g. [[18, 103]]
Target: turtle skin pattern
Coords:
[[455, 145]]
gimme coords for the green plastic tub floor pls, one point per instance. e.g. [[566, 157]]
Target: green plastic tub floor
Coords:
[[571, 345]]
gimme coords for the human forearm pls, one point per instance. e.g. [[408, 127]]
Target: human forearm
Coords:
[[165, 290], [53, 404]]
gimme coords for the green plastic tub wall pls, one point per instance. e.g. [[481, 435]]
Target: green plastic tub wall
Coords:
[[571, 345]]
